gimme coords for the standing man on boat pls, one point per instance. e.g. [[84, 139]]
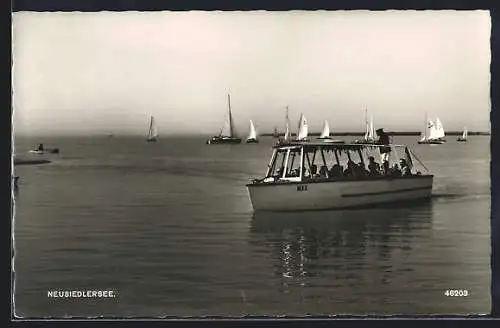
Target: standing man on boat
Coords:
[[383, 139]]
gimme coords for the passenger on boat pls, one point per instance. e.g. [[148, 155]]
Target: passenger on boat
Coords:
[[395, 171], [323, 171], [385, 167], [40, 147], [383, 139], [405, 169], [336, 171], [373, 167], [314, 171], [360, 170], [279, 173], [350, 170]]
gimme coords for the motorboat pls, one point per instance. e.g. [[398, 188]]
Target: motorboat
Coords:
[[294, 183]]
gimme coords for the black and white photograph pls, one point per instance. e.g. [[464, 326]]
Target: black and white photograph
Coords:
[[194, 164]]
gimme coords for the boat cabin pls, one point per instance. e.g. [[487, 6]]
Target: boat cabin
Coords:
[[309, 161]]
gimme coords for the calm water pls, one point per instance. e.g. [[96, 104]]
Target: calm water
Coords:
[[169, 227]]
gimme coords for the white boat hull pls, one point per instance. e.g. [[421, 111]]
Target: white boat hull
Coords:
[[330, 194]]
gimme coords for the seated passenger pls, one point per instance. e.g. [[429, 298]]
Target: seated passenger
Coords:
[[385, 168], [336, 171], [279, 173], [373, 167], [323, 171], [314, 171], [360, 170], [349, 171], [405, 169], [395, 171]]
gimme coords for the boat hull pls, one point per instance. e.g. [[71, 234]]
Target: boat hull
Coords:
[[45, 151], [223, 140], [430, 142], [461, 140], [252, 141], [331, 194]]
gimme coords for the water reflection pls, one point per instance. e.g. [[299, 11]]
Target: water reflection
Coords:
[[339, 245]]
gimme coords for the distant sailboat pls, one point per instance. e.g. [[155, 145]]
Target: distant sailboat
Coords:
[[303, 129], [287, 135], [431, 133], [369, 137], [227, 133], [325, 134], [440, 135], [252, 136], [153, 131], [276, 133], [463, 137]]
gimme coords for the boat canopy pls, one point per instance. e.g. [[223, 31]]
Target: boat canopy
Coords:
[[329, 145], [296, 160]]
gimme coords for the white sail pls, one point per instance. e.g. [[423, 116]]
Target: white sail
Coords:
[[431, 131], [422, 136], [326, 130], [287, 126], [464, 134], [153, 130], [227, 129], [439, 129], [253, 132], [303, 130], [371, 130], [367, 126]]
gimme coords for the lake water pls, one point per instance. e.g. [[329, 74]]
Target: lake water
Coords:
[[169, 228]]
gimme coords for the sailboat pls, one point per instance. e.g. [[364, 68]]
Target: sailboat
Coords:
[[325, 134], [276, 133], [463, 137], [287, 136], [153, 131], [369, 137], [430, 134], [227, 134], [252, 136], [440, 135], [303, 129]]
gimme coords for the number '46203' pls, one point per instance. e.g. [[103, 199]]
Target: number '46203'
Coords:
[[456, 292]]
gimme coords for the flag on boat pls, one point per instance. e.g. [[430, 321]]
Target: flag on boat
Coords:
[[409, 162]]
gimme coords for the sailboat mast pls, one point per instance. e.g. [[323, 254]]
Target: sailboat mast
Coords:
[[230, 115], [287, 127], [425, 126], [150, 133]]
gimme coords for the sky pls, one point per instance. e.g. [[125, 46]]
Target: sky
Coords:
[[108, 72]]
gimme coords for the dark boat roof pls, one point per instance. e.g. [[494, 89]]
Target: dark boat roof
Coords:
[[331, 145]]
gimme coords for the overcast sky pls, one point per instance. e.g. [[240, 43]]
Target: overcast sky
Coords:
[[107, 72]]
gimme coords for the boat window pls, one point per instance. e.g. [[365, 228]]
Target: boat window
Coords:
[[293, 165], [280, 164], [277, 167]]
